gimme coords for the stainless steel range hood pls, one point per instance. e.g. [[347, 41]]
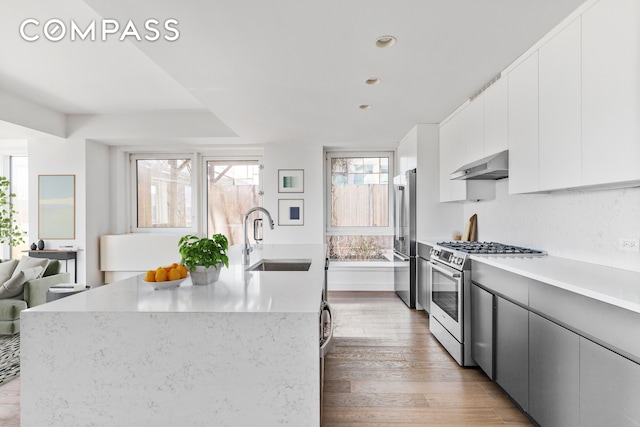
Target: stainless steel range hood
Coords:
[[492, 167]]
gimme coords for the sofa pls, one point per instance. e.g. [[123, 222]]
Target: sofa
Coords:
[[37, 276]]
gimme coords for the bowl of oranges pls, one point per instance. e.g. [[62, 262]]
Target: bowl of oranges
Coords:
[[166, 277]]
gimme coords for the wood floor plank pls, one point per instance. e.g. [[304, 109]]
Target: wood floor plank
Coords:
[[337, 363], [378, 400], [336, 386], [386, 369], [412, 415], [404, 375]]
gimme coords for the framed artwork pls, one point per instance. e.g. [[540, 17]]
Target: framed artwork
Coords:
[[290, 180], [290, 212], [57, 207]]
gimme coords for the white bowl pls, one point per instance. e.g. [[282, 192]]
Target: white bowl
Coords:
[[169, 284]]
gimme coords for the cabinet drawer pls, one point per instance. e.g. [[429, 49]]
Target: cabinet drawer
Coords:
[[609, 325], [501, 282]]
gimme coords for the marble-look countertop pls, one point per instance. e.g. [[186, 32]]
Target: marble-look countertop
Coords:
[[241, 351], [432, 241], [614, 286], [236, 291]]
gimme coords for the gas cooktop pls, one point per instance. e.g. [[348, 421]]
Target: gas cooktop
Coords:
[[489, 248]]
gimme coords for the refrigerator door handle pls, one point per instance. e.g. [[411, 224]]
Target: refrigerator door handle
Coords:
[[401, 256], [400, 216]]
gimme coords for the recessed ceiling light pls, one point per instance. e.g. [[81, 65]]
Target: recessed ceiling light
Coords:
[[364, 106], [385, 41], [372, 81]]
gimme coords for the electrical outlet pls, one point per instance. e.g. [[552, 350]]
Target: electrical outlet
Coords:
[[629, 245]]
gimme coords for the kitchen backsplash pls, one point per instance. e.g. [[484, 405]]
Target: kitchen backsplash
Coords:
[[581, 225]]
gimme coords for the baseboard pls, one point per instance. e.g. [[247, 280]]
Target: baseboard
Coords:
[[357, 286]]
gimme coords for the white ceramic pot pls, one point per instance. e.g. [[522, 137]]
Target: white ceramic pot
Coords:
[[205, 275]]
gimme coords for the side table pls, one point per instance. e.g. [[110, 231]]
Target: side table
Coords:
[[60, 292], [60, 255]]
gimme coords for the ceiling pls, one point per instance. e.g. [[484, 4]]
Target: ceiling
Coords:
[[279, 70]]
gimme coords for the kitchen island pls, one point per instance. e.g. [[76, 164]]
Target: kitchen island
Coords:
[[241, 351]]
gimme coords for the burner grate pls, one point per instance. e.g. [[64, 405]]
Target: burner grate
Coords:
[[489, 248]]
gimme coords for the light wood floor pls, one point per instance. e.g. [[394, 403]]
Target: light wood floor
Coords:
[[10, 403], [387, 369]]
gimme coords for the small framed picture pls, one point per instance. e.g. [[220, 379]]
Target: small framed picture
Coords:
[[290, 180], [290, 212]]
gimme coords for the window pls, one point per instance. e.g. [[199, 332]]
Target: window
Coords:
[[19, 178], [193, 193], [163, 192], [232, 188], [358, 215]]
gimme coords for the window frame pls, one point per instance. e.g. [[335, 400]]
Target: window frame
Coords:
[[203, 211], [195, 191], [358, 230]]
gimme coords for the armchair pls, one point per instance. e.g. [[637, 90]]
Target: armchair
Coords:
[[35, 293]]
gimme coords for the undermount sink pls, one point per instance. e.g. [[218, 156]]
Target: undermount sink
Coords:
[[281, 265]]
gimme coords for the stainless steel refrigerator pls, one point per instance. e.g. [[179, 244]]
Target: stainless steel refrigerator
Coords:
[[404, 240]]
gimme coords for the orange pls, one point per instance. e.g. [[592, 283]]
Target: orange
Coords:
[[161, 275], [182, 269], [150, 276], [174, 274]]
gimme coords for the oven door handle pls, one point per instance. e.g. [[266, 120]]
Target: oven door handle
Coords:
[[324, 347], [443, 271]]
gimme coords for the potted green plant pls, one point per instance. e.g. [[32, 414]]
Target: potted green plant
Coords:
[[204, 257]]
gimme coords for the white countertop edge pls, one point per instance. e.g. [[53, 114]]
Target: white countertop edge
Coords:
[[598, 274], [236, 291]]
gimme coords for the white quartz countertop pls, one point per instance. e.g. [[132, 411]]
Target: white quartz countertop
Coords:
[[611, 285], [236, 291], [432, 241]]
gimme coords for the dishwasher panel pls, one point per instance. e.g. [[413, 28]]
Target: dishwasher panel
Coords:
[[424, 280]]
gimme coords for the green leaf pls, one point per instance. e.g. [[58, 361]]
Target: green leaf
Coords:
[[204, 251]]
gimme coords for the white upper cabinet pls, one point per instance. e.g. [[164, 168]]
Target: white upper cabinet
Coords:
[[487, 128], [559, 147], [611, 92], [496, 126], [453, 146], [474, 130], [523, 127], [452, 155]]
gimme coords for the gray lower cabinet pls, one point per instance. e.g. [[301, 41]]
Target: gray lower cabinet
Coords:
[[554, 374], [512, 350], [609, 387], [482, 308]]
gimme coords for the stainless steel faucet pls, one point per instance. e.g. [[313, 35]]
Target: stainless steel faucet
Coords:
[[246, 249]]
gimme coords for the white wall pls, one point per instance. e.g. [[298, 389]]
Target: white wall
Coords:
[[295, 156], [434, 219], [581, 225], [49, 156], [98, 179]]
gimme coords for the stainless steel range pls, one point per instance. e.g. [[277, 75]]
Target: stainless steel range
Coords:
[[450, 274]]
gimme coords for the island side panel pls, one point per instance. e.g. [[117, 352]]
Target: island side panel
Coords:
[[149, 369]]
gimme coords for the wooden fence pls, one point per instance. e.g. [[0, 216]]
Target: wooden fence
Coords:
[[363, 205]]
